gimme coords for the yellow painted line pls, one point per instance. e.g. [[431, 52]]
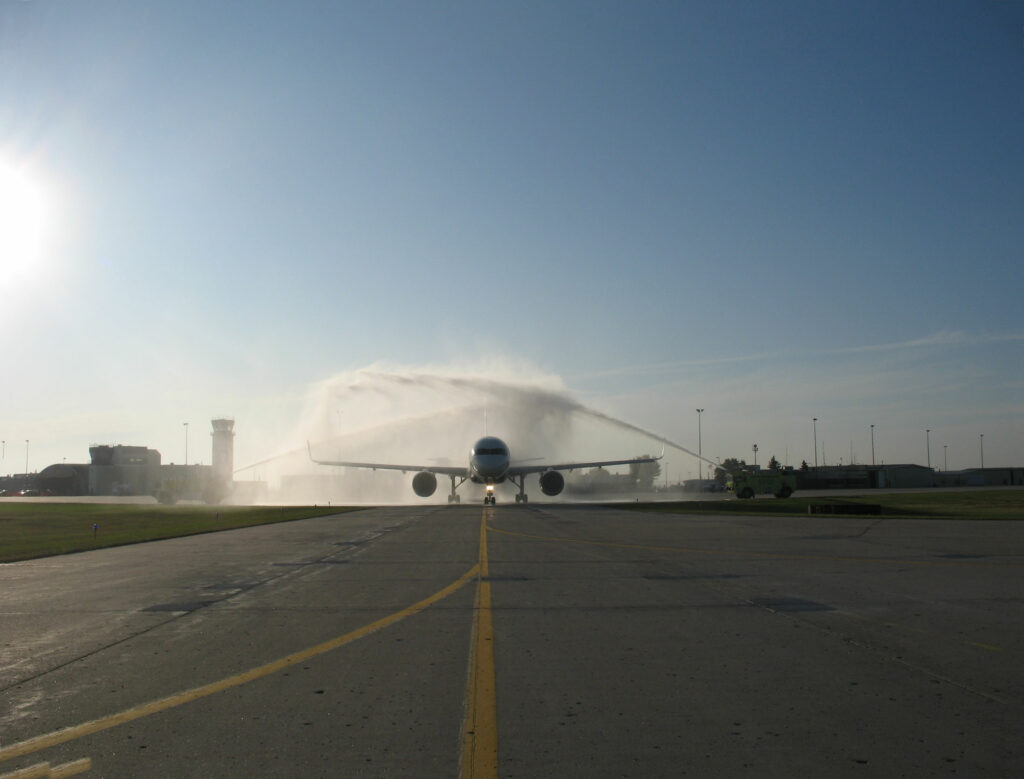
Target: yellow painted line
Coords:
[[31, 772], [990, 647], [56, 772], [479, 758], [104, 723], [71, 769], [765, 555]]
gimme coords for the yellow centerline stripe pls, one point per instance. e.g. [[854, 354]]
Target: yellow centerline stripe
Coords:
[[741, 553], [104, 723], [479, 759]]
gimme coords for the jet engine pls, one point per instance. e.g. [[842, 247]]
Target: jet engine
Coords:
[[551, 482], [424, 483]]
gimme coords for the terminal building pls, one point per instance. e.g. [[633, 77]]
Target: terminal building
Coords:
[[136, 470], [902, 476]]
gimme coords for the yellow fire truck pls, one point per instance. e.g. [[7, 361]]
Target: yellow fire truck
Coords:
[[747, 484]]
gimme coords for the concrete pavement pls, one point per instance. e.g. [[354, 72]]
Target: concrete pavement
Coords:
[[623, 644]]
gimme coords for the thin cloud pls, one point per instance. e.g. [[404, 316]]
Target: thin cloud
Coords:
[[954, 338]]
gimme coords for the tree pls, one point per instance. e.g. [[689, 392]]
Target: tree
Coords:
[[804, 466], [773, 464], [645, 474], [729, 466]]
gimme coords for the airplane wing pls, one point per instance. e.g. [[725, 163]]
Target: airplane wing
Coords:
[[445, 470], [521, 470]]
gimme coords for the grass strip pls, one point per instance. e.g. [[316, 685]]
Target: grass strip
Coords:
[[29, 530], [983, 504]]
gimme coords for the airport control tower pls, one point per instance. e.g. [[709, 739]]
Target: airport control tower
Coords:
[[223, 451]]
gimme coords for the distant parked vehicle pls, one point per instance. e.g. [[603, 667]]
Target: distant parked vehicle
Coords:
[[29, 492]]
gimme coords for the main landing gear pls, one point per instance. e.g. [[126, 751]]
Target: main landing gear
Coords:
[[489, 500], [521, 496], [452, 497]]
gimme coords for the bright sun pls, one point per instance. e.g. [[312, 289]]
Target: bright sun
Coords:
[[21, 220]]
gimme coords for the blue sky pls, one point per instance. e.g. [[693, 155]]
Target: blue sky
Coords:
[[773, 211]]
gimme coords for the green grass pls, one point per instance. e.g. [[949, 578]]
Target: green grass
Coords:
[[967, 504], [29, 530]]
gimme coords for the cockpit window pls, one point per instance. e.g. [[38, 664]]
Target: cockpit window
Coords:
[[492, 450]]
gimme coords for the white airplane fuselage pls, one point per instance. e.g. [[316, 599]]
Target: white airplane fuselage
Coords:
[[489, 461]]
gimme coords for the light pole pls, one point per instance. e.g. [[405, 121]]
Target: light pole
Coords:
[[872, 444], [699, 458], [186, 443], [945, 459], [755, 454], [815, 442], [928, 445], [981, 439]]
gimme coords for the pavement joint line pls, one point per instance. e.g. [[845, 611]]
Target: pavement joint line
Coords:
[[74, 732], [479, 754], [765, 555]]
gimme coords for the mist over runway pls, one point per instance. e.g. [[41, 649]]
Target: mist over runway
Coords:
[[623, 643]]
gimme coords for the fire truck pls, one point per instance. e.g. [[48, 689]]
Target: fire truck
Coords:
[[746, 484]]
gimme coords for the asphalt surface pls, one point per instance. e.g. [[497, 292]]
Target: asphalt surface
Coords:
[[575, 641]]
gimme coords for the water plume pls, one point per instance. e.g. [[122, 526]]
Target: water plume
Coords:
[[560, 400], [430, 416]]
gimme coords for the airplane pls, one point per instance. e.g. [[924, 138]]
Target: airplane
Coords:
[[490, 464]]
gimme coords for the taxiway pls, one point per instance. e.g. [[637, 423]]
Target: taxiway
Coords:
[[548, 640]]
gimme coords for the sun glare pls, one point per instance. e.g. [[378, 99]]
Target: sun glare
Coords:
[[21, 220]]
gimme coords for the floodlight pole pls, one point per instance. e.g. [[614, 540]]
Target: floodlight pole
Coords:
[[928, 445], [815, 442], [981, 438], [945, 460], [872, 444], [699, 458], [755, 454]]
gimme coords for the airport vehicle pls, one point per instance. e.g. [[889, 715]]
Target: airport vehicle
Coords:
[[490, 464], [746, 484]]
